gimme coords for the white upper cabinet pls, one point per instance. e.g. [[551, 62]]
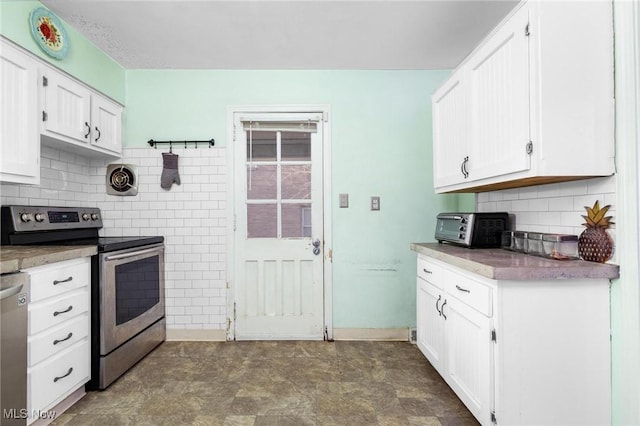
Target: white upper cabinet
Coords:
[[66, 107], [76, 117], [106, 130], [498, 77], [532, 104], [450, 109], [20, 142]]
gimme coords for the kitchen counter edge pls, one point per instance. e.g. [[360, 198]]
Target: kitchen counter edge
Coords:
[[17, 258], [500, 264]]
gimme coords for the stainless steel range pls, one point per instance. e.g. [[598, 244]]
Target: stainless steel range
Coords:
[[127, 285]]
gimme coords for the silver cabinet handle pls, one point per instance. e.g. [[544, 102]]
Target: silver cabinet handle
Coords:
[[442, 309], [88, 130], [99, 134], [56, 313], [426, 271], [462, 289], [55, 342], [8, 292], [64, 375], [56, 282], [438, 301]]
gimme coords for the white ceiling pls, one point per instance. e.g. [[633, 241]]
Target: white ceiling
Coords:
[[295, 34]]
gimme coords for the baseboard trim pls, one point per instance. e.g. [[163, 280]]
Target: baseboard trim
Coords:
[[389, 334], [202, 335]]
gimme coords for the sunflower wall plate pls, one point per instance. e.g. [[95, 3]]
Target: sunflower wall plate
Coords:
[[49, 33]]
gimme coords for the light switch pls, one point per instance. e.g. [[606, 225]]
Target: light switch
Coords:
[[375, 203], [344, 201]]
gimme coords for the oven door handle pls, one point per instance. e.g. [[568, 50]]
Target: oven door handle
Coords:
[[131, 254]]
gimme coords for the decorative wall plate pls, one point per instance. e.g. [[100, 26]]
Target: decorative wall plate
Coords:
[[49, 33]]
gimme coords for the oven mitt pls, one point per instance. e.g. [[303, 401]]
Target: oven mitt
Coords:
[[170, 172]]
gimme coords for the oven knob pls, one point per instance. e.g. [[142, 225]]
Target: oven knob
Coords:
[[39, 217], [94, 216], [86, 216], [461, 235], [462, 228], [463, 220], [25, 217]]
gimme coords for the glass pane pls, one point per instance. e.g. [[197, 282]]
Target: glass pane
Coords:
[[296, 220], [264, 146], [261, 182], [296, 146], [137, 288], [262, 221], [296, 182]]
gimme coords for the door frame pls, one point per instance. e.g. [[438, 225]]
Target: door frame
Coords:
[[324, 109]]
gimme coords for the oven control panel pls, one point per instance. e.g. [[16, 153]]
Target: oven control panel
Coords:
[[39, 218]]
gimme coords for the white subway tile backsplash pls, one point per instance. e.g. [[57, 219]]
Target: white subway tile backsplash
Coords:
[[191, 217], [556, 208]]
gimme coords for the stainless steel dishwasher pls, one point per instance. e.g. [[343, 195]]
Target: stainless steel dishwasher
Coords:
[[14, 297]]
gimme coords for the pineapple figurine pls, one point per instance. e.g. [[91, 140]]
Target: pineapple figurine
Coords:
[[595, 244]]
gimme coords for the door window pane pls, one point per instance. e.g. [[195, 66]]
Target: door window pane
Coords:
[[296, 220], [296, 182], [262, 145], [261, 182], [262, 221], [296, 146]]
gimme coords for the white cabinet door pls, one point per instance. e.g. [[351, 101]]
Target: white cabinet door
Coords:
[[430, 324], [19, 139], [469, 360], [106, 124], [450, 123], [66, 107], [498, 78]]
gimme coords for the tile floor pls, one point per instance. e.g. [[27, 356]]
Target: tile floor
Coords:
[[275, 383]]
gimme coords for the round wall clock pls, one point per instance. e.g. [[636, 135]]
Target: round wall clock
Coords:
[[49, 33]]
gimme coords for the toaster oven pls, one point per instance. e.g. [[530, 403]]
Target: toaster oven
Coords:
[[474, 230]]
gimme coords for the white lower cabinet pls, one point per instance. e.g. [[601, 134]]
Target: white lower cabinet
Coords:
[[59, 352], [533, 352], [454, 333]]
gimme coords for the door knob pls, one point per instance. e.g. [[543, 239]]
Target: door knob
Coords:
[[316, 243]]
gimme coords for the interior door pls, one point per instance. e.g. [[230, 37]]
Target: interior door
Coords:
[[278, 243]]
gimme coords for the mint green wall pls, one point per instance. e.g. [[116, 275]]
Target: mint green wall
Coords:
[[380, 128], [85, 61]]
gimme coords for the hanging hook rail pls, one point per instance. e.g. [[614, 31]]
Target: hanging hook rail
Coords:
[[151, 142]]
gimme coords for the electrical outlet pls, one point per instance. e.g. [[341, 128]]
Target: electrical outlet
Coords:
[[344, 201], [375, 203]]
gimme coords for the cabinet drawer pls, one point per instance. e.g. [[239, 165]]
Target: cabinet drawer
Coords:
[[56, 339], [52, 312], [471, 292], [56, 378], [431, 272], [58, 278]]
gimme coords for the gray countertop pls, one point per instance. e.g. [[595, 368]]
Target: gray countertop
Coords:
[[16, 258], [500, 264]]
